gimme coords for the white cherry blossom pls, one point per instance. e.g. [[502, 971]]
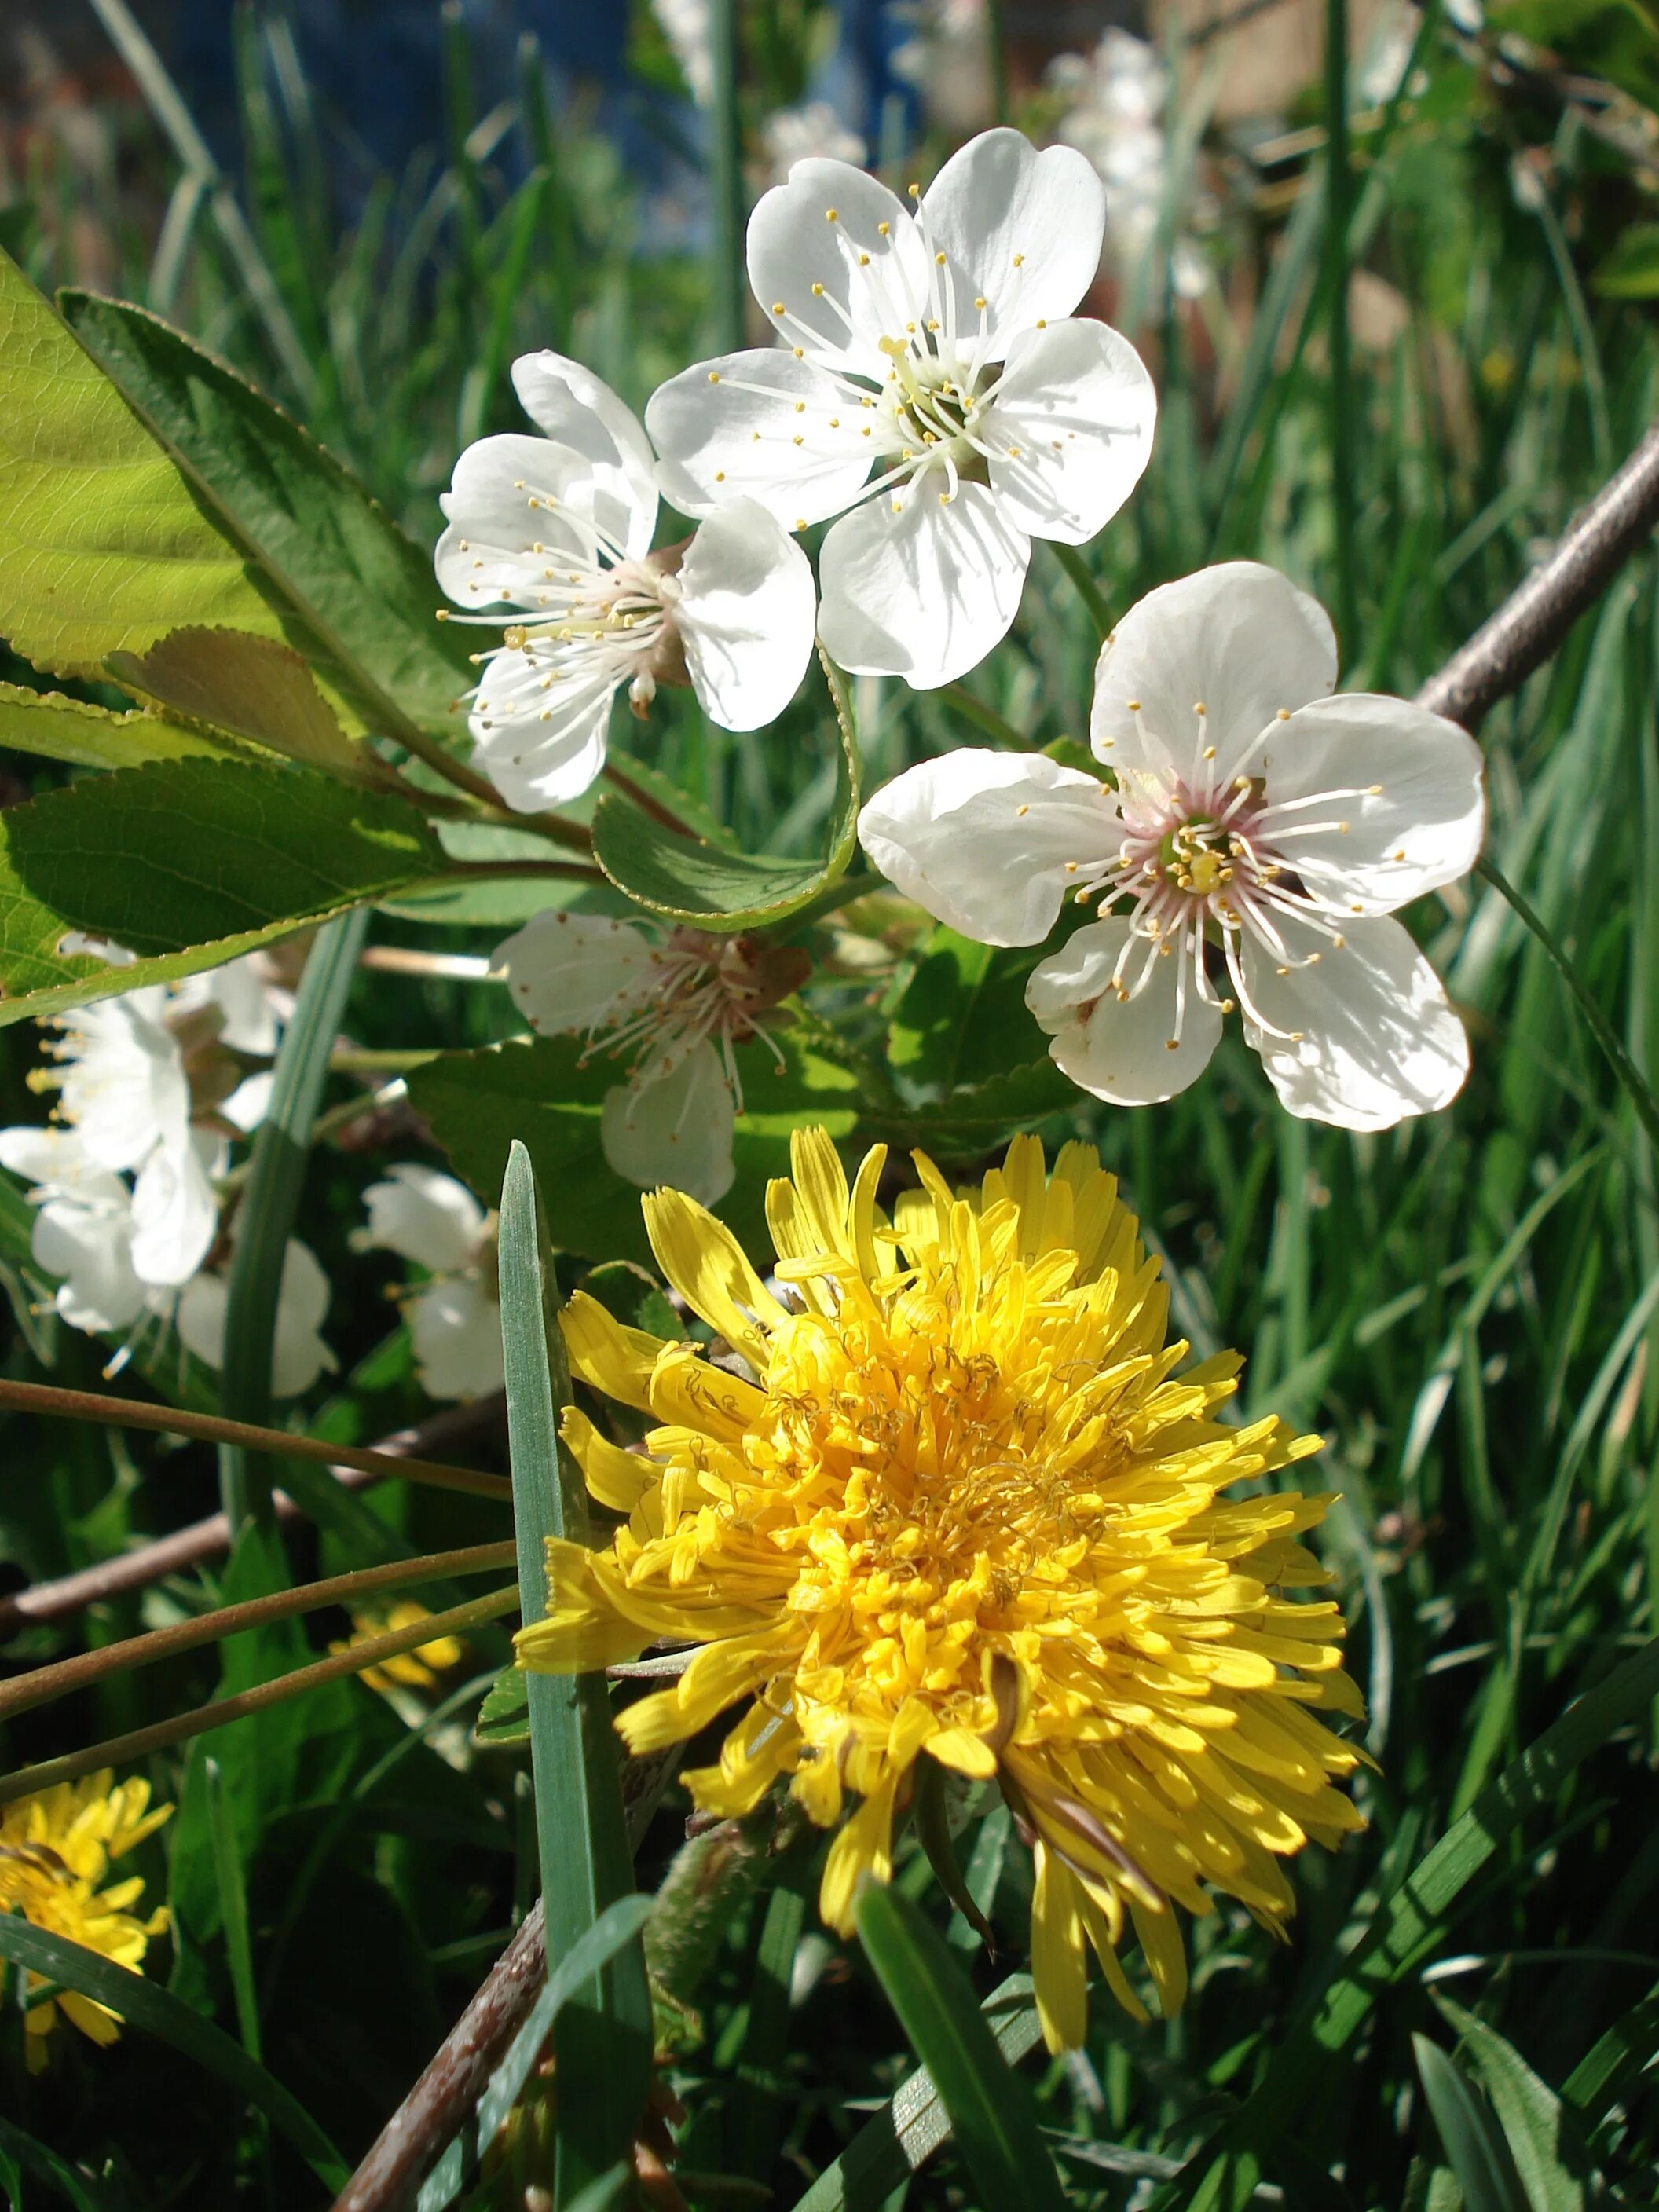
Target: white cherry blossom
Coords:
[[800, 133], [674, 1011], [931, 387], [455, 1318], [82, 1232], [298, 1354], [1115, 100], [558, 530], [1261, 834]]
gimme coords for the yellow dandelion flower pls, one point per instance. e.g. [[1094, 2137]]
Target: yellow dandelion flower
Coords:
[[410, 1670], [56, 1852], [967, 1510]]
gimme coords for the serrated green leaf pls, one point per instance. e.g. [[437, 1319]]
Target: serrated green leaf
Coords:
[[56, 728], [992, 2121], [504, 1717], [187, 864], [603, 2039], [146, 2006], [544, 1090], [252, 687], [1553, 2167], [708, 882], [1469, 2136], [363, 592], [103, 546]]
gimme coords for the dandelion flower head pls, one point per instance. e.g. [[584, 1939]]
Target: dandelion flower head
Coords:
[[57, 1849], [967, 1510]]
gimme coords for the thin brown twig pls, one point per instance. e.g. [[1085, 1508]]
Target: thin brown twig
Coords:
[[1536, 616], [214, 1428], [210, 1538]]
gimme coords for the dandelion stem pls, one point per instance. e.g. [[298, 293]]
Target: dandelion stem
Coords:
[[179, 1728], [42, 1684], [213, 1429]]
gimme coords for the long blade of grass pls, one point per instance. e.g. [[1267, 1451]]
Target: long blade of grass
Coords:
[[910, 2127], [266, 1220], [1403, 1931], [155, 2011], [992, 2118], [233, 1910], [1468, 2134], [603, 2039]]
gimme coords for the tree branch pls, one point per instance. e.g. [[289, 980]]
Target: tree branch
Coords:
[[1535, 617], [208, 1539]]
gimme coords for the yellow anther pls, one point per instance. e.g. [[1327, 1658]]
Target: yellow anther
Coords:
[[1019, 259], [863, 261], [1198, 706], [817, 291], [1133, 705], [800, 407], [914, 190], [1283, 714], [720, 476], [939, 260], [885, 228], [713, 376], [830, 214], [1022, 810], [1042, 322], [799, 352], [514, 637], [979, 303], [1209, 752]]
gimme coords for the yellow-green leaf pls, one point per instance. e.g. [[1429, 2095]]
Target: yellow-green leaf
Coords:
[[63, 729]]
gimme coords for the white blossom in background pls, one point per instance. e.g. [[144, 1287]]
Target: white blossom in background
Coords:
[[673, 1011], [557, 530], [930, 387], [82, 1233], [1115, 98], [684, 24], [1259, 837], [947, 58], [812, 132], [455, 1319], [298, 1355]]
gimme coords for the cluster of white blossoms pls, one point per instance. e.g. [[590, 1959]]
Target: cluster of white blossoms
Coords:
[[152, 1090], [1249, 853], [928, 385], [1115, 101], [454, 1317]]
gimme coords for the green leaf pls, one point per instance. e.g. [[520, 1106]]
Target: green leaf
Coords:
[[924, 1038], [197, 858], [154, 2011], [364, 594], [1404, 1930], [1601, 2078], [910, 2127], [1473, 2146], [1539, 2133], [104, 547], [933, 1819], [990, 2109], [708, 882], [636, 1297], [603, 2040], [977, 1116], [1630, 271], [56, 728], [546, 1091], [252, 686], [503, 1721]]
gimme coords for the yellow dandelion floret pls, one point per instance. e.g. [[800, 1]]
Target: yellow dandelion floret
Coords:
[[418, 1670], [56, 1852], [967, 1510]]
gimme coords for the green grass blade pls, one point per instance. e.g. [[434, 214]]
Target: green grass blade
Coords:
[[270, 1202], [232, 1909], [990, 2110], [762, 2083], [1615, 2060], [1469, 2136], [148, 2007], [910, 2127], [1403, 1931], [1540, 2141], [603, 2039]]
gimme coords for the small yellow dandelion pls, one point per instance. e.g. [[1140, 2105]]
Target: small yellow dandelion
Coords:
[[55, 1852], [966, 1508], [410, 1670]]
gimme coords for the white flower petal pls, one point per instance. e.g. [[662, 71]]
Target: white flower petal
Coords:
[[569, 404], [674, 1128], [426, 1217], [1370, 1035], [298, 1353], [1020, 229], [124, 1085], [250, 1102], [200, 1319], [1120, 1050], [793, 246], [727, 429], [746, 615], [542, 743], [1238, 639], [456, 1330], [988, 843], [175, 1214], [1071, 429], [519, 506], [1420, 818], [571, 974], [55, 1158], [925, 592], [91, 1248]]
